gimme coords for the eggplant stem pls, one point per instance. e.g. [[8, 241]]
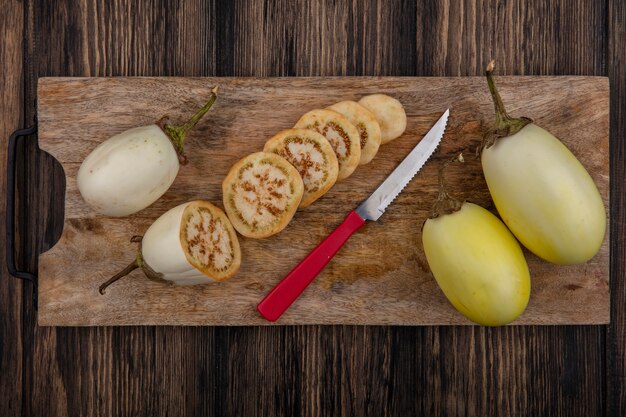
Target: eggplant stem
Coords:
[[178, 133], [446, 204], [130, 268], [139, 262], [191, 123], [501, 115], [505, 124]]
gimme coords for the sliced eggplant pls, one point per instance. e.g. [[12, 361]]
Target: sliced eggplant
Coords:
[[313, 157], [193, 243], [342, 135], [389, 113], [367, 125], [261, 194]]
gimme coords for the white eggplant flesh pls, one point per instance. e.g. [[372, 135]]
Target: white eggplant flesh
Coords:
[[545, 196], [193, 243], [129, 171]]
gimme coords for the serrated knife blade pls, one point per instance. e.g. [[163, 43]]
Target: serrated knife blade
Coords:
[[374, 206], [291, 286]]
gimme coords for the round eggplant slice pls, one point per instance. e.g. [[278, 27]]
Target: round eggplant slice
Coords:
[[366, 124], [389, 113], [313, 157], [261, 194], [342, 135]]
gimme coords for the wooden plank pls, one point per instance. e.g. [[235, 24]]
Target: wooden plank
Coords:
[[616, 335], [470, 33], [380, 277], [302, 38], [11, 33]]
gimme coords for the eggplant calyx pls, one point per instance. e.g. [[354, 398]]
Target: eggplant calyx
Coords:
[[150, 273], [178, 133], [505, 124], [446, 204], [139, 262]]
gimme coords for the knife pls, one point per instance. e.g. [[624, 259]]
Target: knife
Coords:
[[291, 286]]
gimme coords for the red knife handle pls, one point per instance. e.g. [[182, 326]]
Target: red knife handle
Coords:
[[289, 288]]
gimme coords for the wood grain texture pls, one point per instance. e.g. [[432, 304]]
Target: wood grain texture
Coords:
[[545, 37], [11, 355], [325, 38], [295, 370], [616, 335], [380, 276]]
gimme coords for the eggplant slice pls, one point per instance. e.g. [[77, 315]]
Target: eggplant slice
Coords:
[[312, 155], [389, 113], [366, 124], [261, 194], [342, 135]]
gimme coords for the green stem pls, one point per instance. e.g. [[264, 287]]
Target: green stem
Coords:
[[178, 133], [505, 124], [501, 115], [446, 204]]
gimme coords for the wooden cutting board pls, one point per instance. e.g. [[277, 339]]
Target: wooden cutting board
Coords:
[[381, 275]]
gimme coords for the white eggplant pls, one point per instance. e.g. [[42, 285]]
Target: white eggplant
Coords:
[[131, 170], [543, 193], [193, 243]]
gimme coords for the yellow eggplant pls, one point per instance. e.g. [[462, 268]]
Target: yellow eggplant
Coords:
[[542, 192], [476, 261]]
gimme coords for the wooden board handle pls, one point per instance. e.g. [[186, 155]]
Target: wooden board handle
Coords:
[[10, 210]]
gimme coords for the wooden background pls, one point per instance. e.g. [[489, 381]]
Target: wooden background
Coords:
[[302, 370]]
